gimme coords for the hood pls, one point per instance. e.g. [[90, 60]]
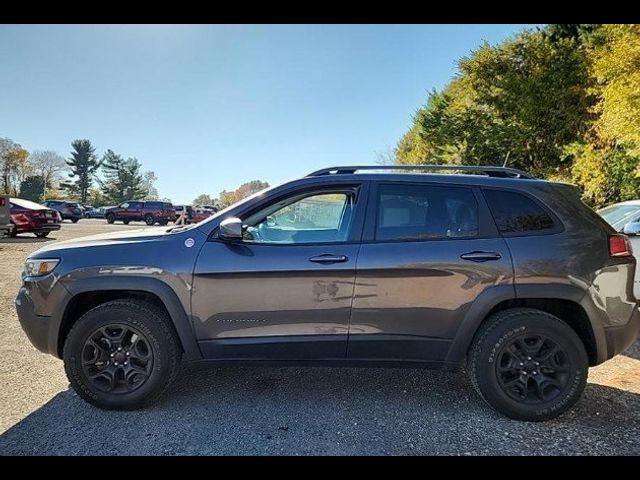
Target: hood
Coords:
[[104, 239]]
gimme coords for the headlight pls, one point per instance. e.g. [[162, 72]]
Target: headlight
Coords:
[[37, 267]]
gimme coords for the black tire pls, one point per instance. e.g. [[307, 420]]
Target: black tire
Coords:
[[163, 223], [149, 220], [152, 325], [528, 386], [74, 220], [126, 222], [42, 234], [14, 231], [110, 217]]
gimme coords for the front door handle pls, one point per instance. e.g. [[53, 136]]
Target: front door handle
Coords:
[[329, 258], [481, 256]]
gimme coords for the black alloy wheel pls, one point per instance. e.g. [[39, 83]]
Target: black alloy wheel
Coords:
[[117, 358]]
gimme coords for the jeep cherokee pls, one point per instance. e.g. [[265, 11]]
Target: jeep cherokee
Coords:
[[513, 276]]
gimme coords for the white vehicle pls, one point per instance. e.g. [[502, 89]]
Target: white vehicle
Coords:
[[625, 218]]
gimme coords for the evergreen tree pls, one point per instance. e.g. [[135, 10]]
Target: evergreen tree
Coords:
[[84, 163]]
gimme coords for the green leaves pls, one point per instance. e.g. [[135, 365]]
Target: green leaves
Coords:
[[562, 103], [83, 164]]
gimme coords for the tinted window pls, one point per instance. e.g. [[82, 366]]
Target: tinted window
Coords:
[[135, 205], [323, 217], [416, 212], [514, 212], [156, 205]]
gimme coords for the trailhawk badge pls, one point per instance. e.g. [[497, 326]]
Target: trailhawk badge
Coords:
[[189, 242]]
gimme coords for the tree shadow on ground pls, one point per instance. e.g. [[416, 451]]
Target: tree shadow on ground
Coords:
[[227, 410]]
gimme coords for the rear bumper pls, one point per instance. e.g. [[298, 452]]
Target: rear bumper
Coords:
[[618, 339]]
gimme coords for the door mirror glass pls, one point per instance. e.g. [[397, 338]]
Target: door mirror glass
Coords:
[[632, 228], [231, 229]]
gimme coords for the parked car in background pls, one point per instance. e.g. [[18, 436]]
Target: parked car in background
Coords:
[[201, 213], [512, 276], [190, 212], [30, 217], [151, 212], [68, 210], [624, 217], [95, 212], [5, 216]]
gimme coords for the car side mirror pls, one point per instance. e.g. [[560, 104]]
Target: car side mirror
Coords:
[[631, 228], [230, 229]]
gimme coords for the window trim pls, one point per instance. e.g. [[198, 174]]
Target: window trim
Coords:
[[558, 226], [486, 225], [359, 189]]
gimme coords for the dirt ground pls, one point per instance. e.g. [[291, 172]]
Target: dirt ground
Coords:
[[225, 410]]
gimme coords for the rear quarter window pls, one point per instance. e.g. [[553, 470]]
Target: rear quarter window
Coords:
[[516, 213]]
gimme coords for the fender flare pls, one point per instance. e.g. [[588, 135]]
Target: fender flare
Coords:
[[493, 296], [154, 286]]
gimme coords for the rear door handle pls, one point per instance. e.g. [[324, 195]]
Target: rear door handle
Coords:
[[329, 258], [481, 256]]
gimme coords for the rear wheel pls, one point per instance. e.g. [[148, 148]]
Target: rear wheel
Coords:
[[149, 220], [74, 220], [42, 234], [126, 222], [528, 364], [122, 355], [14, 231], [110, 217], [163, 222]]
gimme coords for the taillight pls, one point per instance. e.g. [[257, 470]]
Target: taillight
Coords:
[[620, 246]]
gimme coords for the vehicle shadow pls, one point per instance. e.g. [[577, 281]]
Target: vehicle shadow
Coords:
[[227, 410], [31, 239]]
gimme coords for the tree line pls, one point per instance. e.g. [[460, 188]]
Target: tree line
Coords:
[[84, 176], [227, 198], [561, 102]]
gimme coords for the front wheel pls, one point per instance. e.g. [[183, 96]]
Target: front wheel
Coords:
[[110, 218], [74, 220], [149, 220], [527, 364], [42, 234], [122, 355]]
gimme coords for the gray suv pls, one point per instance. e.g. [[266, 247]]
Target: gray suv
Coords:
[[353, 266]]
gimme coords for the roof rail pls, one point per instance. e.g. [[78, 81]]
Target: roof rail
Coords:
[[491, 171]]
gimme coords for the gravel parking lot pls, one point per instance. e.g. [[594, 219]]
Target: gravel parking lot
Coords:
[[226, 410]]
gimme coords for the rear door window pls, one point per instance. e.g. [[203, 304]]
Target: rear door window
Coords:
[[425, 212]]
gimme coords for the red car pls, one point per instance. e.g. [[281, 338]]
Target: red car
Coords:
[[29, 217], [138, 211]]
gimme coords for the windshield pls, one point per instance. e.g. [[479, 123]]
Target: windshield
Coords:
[[618, 215], [27, 204]]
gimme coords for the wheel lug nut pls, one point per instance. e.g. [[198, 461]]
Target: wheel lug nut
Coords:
[[528, 358], [125, 363], [535, 373], [120, 349], [521, 364], [537, 364], [128, 354], [115, 363], [112, 355]]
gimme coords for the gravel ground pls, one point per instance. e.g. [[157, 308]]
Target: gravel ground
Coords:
[[215, 410]]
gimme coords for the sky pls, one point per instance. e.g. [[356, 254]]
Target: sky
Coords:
[[209, 107]]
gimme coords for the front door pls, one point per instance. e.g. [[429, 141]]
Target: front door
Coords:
[[285, 290], [428, 252]]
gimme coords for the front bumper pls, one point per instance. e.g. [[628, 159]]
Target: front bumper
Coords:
[[42, 330]]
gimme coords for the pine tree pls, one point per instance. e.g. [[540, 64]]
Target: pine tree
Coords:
[[122, 178], [84, 163]]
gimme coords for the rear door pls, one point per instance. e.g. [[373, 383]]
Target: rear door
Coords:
[[429, 250]]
